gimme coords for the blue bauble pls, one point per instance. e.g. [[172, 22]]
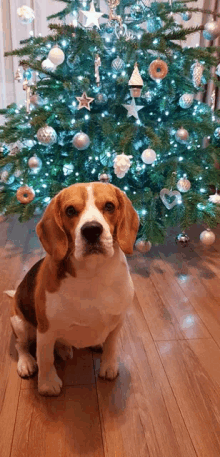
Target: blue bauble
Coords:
[[217, 133], [27, 74], [137, 10], [153, 24]]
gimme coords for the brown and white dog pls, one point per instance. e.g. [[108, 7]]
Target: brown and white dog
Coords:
[[79, 293]]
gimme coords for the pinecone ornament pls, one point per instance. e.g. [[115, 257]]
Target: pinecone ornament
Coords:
[[122, 164]]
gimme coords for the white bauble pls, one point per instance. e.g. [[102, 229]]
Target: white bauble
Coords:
[[47, 135], [183, 185], [211, 30], [182, 135], [148, 156], [25, 14], [56, 55], [81, 141], [34, 163], [143, 246], [207, 237], [48, 65]]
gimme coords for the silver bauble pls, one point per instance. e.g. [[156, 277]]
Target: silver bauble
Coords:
[[211, 30], [26, 14], [183, 185], [182, 135], [34, 162], [186, 16], [118, 64], [217, 133], [148, 156], [143, 246], [186, 100], [137, 10], [81, 141], [153, 24], [56, 55], [104, 177], [46, 135], [36, 100], [182, 240], [207, 237], [101, 99]]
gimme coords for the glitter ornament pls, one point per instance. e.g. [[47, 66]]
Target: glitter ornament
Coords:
[[34, 162], [211, 30], [26, 14], [182, 240], [118, 64], [197, 71], [217, 133], [56, 55], [143, 246], [207, 237], [215, 198], [104, 177], [148, 156], [186, 100], [101, 99], [182, 135], [135, 82], [48, 65], [36, 100], [153, 24], [68, 169], [170, 193], [27, 74], [122, 164], [183, 185], [186, 16], [137, 10], [81, 141], [47, 135]]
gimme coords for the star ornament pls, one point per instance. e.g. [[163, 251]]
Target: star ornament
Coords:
[[92, 16], [133, 109], [84, 101]]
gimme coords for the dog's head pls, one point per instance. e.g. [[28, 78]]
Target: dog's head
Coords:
[[87, 219]]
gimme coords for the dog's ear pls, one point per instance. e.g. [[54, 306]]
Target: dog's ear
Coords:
[[127, 224], [51, 232]]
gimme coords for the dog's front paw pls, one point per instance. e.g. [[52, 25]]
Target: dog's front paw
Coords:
[[109, 370], [51, 385], [27, 366]]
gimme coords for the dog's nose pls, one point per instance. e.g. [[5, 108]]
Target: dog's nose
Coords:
[[91, 231]]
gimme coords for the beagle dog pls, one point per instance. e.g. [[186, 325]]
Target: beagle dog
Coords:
[[79, 293]]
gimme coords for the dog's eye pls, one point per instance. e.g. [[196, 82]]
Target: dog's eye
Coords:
[[109, 206], [71, 211]]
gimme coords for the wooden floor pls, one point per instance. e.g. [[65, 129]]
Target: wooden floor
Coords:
[[166, 401]]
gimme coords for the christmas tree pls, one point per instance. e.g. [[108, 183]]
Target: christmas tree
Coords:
[[116, 97]]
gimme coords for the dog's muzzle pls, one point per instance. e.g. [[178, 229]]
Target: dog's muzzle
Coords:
[[91, 231]]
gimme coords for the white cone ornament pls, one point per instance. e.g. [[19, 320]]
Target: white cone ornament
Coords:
[[186, 100], [81, 141], [148, 156], [135, 82], [47, 135], [207, 237], [143, 246], [122, 164], [215, 198], [183, 185], [56, 55], [25, 14], [197, 72], [48, 65]]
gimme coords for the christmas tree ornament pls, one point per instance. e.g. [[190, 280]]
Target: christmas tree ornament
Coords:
[[36, 100], [182, 135], [34, 162], [18, 75], [47, 135], [112, 15], [48, 65], [217, 72], [15, 148], [148, 156], [217, 133], [186, 100], [211, 30], [68, 169], [164, 193], [215, 198], [27, 88], [197, 71], [122, 164], [183, 185], [97, 65], [101, 99], [143, 246], [84, 101], [207, 237], [182, 240], [56, 55], [137, 10], [149, 95], [4, 177], [135, 82], [133, 109], [158, 69], [18, 173], [92, 16], [118, 64], [121, 30], [186, 16], [25, 194], [110, 26], [25, 14], [104, 177], [27, 74], [72, 60], [153, 24], [81, 141]]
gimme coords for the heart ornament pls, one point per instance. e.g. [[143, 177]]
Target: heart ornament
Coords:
[[164, 193]]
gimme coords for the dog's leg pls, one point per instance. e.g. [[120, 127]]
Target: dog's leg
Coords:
[[48, 381], [24, 332], [64, 352], [109, 360]]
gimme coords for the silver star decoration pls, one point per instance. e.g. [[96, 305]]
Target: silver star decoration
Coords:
[[133, 109], [92, 16], [84, 101]]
